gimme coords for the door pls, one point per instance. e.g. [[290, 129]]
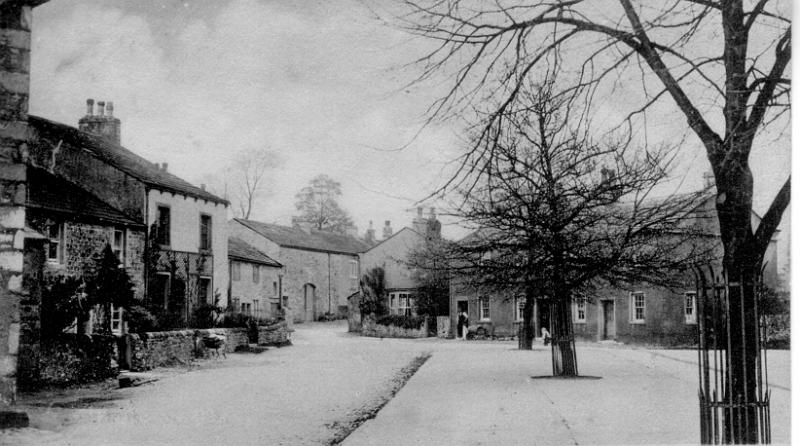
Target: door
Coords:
[[609, 326], [309, 302]]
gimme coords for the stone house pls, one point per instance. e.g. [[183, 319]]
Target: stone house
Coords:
[[392, 254], [256, 281], [635, 313], [178, 256], [321, 269]]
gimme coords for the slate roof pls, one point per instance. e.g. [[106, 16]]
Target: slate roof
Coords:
[[292, 237], [48, 192], [240, 250], [119, 157]]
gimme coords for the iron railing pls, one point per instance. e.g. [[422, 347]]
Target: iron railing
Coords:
[[728, 416]]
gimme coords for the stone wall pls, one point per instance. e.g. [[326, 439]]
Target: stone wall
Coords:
[[15, 38], [168, 348], [69, 359], [263, 296], [372, 329], [278, 334], [83, 242]]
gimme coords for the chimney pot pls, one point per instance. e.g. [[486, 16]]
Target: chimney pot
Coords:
[[164, 167], [202, 186], [110, 109], [101, 105], [89, 107]]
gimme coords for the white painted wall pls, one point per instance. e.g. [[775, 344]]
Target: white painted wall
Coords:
[[185, 230]]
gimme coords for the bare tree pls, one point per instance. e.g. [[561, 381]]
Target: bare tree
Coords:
[[318, 204], [558, 212], [244, 181], [724, 66], [249, 179]]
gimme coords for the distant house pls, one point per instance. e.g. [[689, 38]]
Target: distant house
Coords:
[[170, 233], [256, 281], [638, 313], [321, 269], [392, 254]]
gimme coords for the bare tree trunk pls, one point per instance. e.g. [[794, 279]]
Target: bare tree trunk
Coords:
[[565, 361], [742, 262], [526, 332]]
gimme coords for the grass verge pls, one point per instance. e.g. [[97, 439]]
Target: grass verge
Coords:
[[343, 429]]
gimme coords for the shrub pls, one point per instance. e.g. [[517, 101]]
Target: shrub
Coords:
[[402, 321], [140, 320], [205, 316]]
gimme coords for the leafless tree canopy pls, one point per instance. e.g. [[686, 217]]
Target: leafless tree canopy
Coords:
[[723, 63]]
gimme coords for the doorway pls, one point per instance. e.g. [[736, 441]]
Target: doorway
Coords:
[[609, 326], [462, 306], [310, 302]]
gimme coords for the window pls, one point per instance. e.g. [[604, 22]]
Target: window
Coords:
[[55, 232], [205, 232], [235, 303], [256, 311], [236, 271], [246, 308], [637, 306], [401, 303], [690, 307], [116, 320], [275, 288], [160, 288], [519, 308], [580, 310], [256, 273], [483, 308], [162, 225], [353, 275], [118, 245], [203, 290]]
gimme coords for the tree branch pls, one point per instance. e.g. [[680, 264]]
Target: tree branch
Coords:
[[771, 220]]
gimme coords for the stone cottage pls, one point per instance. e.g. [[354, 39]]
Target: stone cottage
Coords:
[[178, 257], [392, 254], [637, 313], [321, 269], [256, 281]]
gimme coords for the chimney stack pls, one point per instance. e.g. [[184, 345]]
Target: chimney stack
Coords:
[[164, 167], [369, 237], [387, 230], [102, 124], [419, 223]]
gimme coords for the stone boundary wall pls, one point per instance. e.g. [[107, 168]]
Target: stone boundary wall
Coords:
[[373, 329], [168, 348], [278, 334], [70, 359]]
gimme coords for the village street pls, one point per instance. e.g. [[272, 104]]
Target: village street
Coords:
[[475, 392]]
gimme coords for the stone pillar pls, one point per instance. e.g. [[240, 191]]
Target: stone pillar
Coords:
[[15, 41]]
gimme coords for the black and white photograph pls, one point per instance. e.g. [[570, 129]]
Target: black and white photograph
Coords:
[[395, 222]]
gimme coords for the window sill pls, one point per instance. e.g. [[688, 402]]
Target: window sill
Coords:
[[583, 322], [636, 322]]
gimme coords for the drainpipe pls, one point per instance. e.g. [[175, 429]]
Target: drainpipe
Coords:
[[329, 283]]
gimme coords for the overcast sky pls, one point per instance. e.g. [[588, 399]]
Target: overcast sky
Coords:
[[319, 83]]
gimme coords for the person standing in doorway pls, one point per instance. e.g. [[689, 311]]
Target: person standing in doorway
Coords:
[[464, 318]]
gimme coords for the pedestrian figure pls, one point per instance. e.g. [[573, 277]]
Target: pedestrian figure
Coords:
[[465, 326], [545, 336]]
